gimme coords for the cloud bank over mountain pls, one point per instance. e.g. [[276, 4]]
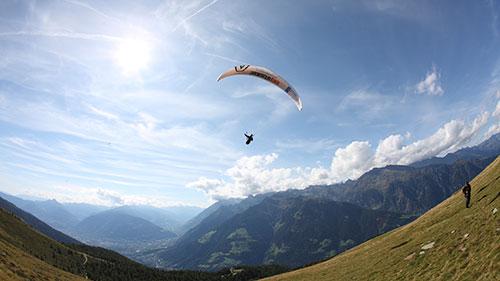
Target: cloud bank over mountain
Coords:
[[256, 174]]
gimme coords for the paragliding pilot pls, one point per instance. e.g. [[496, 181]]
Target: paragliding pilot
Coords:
[[249, 138], [467, 190]]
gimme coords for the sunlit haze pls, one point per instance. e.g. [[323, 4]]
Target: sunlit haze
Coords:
[[133, 55]]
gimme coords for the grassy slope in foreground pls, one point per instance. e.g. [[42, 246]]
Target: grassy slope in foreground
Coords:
[[466, 243], [17, 264]]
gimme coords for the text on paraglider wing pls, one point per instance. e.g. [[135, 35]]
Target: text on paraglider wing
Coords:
[[267, 77]]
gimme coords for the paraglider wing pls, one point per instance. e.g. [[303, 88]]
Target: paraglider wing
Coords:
[[267, 75]]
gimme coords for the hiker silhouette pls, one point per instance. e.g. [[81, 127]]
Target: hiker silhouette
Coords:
[[466, 191]]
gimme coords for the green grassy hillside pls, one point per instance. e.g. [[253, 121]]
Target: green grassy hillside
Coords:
[[26, 254], [23, 254], [35, 223], [286, 231], [18, 265], [449, 242]]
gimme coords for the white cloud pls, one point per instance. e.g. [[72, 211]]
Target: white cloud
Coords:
[[96, 11], [143, 130], [253, 175], [225, 58], [495, 127], [351, 161], [174, 105], [234, 27], [307, 145], [71, 193], [430, 85], [102, 113], [367, 104], [492, 130], [451, 137], [363, 97], [112, 198], [216, 189], [268, 90], [283, 105], [184, 20], [206, 184], [494, 17], [496, 113], [71, 35]]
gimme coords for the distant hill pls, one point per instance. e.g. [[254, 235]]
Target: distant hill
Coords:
[[141, 235], [285, 231], [405, 190], [51, 212], [65, 216], [83, 210], [221, 212], [210, 218], [169, 218], [449, 242], [36, 223], [25, 254], [183, 214], [158, 216], [207, 212], [415, 188], [115, 225], [16, 264], [487, 149], [409, 190]]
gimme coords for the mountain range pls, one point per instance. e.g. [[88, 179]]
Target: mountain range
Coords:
[[292, 228], [119, 226], [27, 254], [127, 229], [249, 231], [394, 192], [290, 231], [406, 189], [49, 211], [449, 242], [486, 149], [36, 223]]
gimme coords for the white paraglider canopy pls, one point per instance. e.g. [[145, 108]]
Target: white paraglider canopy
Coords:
[[267, 75]]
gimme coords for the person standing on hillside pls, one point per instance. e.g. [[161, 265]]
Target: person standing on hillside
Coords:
[[467, 190]]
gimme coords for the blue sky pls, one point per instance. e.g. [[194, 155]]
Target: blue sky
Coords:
[[116, 102]]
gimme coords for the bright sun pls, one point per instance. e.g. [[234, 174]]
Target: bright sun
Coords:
[[133, 55]]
